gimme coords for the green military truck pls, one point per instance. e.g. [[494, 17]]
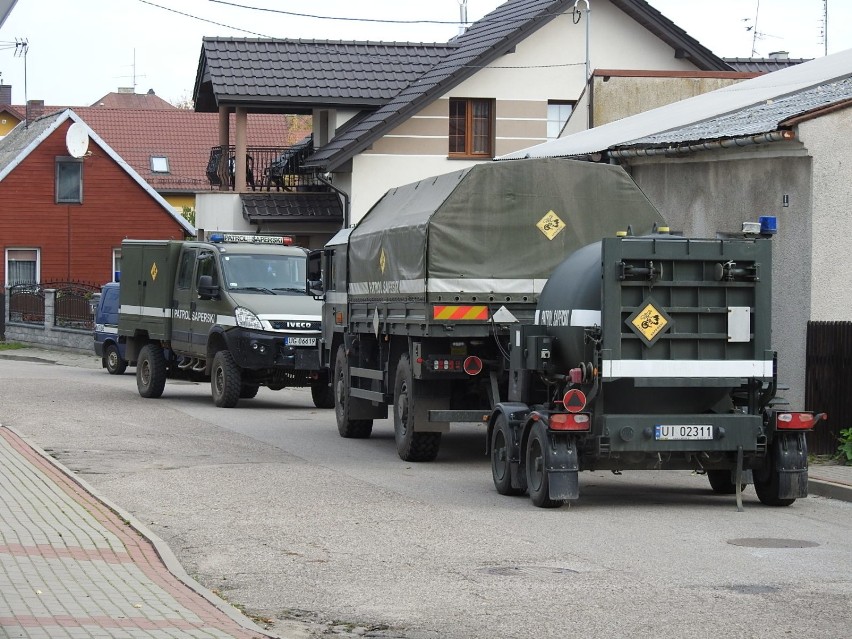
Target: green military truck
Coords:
[[546, 300], [234, 310]]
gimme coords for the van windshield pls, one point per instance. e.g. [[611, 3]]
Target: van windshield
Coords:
[[265, 274]]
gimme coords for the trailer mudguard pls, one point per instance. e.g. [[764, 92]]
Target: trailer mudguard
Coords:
[[563, 467], [789, 458]]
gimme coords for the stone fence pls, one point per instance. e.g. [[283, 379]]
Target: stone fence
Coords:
[[47, 334]]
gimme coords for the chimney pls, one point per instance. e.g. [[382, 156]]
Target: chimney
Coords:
[[126, 90], [779, 55], [35, 109], [5, 94]]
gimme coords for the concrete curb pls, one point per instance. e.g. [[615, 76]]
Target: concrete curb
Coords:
[[829, 489], [163, 551]]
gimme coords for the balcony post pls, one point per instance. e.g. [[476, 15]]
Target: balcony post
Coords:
[[240, 156], [224, 144]]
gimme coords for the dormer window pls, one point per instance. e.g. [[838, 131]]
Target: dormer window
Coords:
[[159, 164]]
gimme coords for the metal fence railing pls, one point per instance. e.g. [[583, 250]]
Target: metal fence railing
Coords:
[[828, 378], [71, 304]]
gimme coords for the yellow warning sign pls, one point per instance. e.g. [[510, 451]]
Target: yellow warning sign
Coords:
[[382, 261], [551, 225], [154, 271], [649, 322]]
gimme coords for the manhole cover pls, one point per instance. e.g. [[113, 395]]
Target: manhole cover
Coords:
[[526, 571], [771, 542]]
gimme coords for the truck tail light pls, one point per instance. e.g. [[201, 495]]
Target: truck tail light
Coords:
[[570, 421], [797, 420], [472, 365]]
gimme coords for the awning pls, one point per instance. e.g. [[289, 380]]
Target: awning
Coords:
[[292, 207]]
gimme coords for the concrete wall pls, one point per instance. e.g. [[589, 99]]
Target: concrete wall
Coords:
[[47, 334], [828, 140], [709, 192]]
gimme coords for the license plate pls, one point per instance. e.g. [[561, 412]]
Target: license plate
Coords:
[[300, 341], [681, 432]]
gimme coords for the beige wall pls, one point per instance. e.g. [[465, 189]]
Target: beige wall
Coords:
[[827, 139]]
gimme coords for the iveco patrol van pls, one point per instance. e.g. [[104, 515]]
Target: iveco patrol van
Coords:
[[234, 310]]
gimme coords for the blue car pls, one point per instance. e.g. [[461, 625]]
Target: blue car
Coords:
[[108, 345]]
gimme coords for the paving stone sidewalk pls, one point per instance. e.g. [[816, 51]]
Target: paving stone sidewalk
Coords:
[[71, 566]]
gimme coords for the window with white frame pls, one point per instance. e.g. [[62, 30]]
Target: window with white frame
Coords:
[[159, 164], [69, 181], [22, 266], [116, 264], [558, 112]]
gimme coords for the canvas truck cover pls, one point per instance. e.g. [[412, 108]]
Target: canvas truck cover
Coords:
[[497, 228]]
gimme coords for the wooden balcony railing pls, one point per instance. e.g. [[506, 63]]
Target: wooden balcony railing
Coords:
[[267, 168]]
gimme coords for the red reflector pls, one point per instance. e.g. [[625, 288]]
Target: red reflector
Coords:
[[570, 421], [794, 421], [472, 365], [574, 400]]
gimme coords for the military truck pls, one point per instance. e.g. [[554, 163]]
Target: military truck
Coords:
[[234, 310], [546, 300]]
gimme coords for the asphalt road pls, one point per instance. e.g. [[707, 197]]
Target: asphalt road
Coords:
[[268, 506]]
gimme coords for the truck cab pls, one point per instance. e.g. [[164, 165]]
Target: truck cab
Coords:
[[235, 310]]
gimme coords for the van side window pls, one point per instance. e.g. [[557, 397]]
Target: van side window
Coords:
[[187, 262], [207, 266]]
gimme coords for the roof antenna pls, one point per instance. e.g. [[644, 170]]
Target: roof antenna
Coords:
[[462, 16]]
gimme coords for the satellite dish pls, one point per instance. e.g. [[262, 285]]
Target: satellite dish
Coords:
[[77, 140]]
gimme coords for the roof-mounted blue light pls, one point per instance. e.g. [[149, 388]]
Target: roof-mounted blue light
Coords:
[[768, 224], [217, 238]]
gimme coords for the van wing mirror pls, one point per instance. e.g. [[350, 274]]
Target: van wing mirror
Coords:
[[207, 290]]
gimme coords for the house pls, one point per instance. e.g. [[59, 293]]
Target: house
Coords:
[[778, 144], [68, 200], [386, 114]]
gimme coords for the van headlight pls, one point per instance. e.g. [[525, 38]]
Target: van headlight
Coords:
[[247, 319]]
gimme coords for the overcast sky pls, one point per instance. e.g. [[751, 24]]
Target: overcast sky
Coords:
[[80, 50]]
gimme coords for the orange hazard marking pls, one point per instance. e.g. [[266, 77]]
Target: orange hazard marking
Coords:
[[460, 312]]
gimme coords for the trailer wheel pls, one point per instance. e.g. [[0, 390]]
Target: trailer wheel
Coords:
[[115, 363], [151, 371], [225, 380], [411, 446], [721, 482], [249, 391], [349, 428], [501, 468], [768, 484], [537, 480], [322, 392]]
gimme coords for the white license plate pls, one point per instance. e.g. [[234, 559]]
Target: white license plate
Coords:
[[300, 341], [681, 432]]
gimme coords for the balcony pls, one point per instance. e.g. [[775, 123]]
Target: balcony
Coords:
[[267, 168]]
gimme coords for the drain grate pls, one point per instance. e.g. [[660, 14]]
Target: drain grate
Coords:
[[772, 542], [526, 571]]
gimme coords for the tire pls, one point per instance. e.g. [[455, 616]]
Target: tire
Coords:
[[348, 428], [537, 480], [151, 371], [322, 392], [249, 391], [501, 469], [411, 446], [225, 380], [115, 363], [720, 482]]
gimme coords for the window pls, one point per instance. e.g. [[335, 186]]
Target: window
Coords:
[[558, 112], [207, 266], [187, 263], [22, 266], [69, 181], [159, 164], [116, 265], [471, 127]]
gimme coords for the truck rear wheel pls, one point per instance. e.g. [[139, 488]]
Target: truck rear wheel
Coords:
[[347, 427], [410, 445], [322, 392], [249, 391], [225, 380], [501, 452], [536, 463], [151, 371], [721, 482], [115, 363]]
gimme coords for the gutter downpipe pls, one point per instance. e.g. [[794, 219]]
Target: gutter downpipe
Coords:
[[588, 62], [762, 138], [342, 194]]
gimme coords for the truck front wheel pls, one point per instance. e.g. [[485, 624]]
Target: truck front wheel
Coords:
[[410, 445], [151, 371], [346, 426], [225, 380]]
